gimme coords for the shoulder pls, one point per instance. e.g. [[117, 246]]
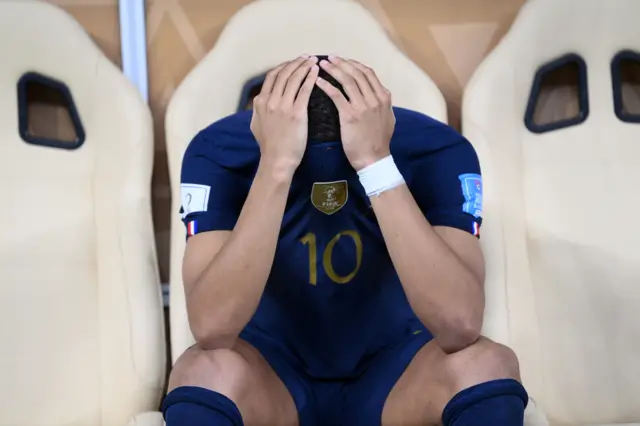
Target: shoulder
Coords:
[[417, 135], [227, 142]]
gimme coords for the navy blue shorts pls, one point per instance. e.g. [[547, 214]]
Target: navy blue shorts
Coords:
[[357, 402]]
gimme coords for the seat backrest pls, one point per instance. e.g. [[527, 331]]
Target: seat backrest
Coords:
[[260, 36], [563, 254], [80, 302]]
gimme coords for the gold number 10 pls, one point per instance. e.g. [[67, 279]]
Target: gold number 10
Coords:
[[310, 240]]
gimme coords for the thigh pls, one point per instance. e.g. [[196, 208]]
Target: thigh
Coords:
[[421, 392], [365, 397], [243, 375], [434, 377]]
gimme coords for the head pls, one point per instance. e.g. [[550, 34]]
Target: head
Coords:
[[324, 122]]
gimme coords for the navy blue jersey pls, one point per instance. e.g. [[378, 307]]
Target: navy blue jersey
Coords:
[[333, 297]]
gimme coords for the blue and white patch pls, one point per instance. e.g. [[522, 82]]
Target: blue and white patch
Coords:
[[194, 197], [472, 191]]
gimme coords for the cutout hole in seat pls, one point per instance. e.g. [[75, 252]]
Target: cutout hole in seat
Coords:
[[47, 113], [625, 71], [253, 92], [250, 90], [558, 97]]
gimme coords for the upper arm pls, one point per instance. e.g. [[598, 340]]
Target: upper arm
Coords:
[[211, 201], [447, 186], [200, 250], [466, 247]]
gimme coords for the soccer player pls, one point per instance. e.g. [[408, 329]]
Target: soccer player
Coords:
[[333, 272]]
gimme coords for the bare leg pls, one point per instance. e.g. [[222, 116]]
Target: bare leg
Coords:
[[242, 375], [434, 377]]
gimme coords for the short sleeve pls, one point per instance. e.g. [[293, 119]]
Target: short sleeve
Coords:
[[211, 196], [447, 186]]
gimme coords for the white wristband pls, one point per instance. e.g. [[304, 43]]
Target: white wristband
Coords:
[[380, 176]]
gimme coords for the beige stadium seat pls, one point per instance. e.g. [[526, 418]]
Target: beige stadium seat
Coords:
[[559, 234], [258, 37], [80, 305]]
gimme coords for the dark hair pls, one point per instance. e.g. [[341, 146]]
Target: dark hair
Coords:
[[324, 122]]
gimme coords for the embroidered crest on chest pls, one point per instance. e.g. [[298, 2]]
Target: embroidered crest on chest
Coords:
[[329, 197]]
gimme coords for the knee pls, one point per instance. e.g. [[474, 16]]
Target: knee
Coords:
[[481, 362], [222, 370]]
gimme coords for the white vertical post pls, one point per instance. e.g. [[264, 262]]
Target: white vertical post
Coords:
[[133, 39]]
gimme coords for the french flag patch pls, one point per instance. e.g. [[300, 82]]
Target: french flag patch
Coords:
[[192, 228], [476, 229]]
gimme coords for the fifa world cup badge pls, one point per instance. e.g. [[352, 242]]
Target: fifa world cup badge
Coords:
[[329, 197], [472, 190]]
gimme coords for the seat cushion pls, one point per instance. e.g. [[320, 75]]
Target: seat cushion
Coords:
[[82, 335], [563, 257]]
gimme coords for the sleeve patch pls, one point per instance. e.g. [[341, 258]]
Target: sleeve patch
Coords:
[[192, 228], [472, 191], [476, 229], [195, 198]]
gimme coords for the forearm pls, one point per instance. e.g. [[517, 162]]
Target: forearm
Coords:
[[227, 294], [446, 296]]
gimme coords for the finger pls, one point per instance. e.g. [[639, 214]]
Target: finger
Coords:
[[284, 74], [296, 79], [348, 83], [302, 101], [343, 105], [270, 80], [380, 91], [361, 80]]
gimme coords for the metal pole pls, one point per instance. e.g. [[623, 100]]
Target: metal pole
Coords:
[[133, 39]]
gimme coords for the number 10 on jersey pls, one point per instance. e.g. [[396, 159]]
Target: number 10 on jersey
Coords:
[[327, 257]]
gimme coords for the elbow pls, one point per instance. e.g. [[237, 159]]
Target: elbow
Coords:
[[459, 333], [209, 333]]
